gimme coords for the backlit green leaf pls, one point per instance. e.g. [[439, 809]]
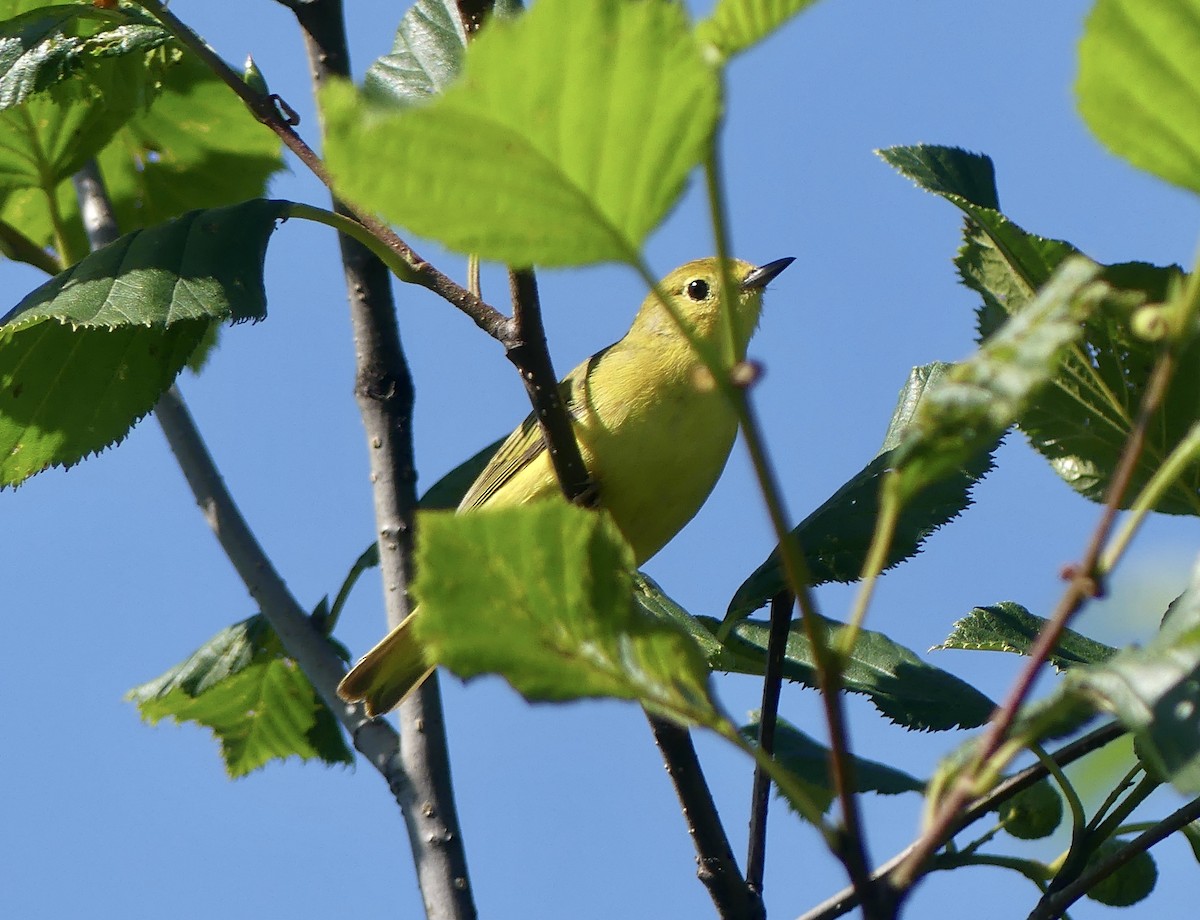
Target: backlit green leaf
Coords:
[[541, 595], [256, 700], [581, 119], [1138, 88]]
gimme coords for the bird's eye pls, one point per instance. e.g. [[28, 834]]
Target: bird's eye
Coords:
[[698, 290]]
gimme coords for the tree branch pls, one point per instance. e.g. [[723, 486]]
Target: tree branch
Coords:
[[1083, 585], [273, 112], [760, 795], [376, 740], [847, 899], [384, 392], [1057, 902]]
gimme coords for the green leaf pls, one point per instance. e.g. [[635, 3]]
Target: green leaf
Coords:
[[835, 538], [736, 25], [898, 683], [197, 146], [581, 118], [1082, 422], [87, 354], [428, 52], [1138, 88], [42, 47], [1153, 691], [426, 56], [982, 396], [545, 602], [256, 700], [1009, 627], [808, 760]]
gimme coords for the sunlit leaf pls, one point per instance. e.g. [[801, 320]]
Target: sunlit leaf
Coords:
[[256, 700], [545, 602], [1009, 627], [87, 354], [1082, 422], [736, 25], [581, 118], [1138, 88]]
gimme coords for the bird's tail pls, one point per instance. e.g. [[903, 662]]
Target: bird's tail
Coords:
[[387, 673]]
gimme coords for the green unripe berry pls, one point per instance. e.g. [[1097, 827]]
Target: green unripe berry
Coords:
[[1032, 813]]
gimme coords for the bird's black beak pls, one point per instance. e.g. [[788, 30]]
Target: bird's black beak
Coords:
[[761, 277]]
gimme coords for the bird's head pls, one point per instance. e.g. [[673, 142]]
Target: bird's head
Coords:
[[695, 290]]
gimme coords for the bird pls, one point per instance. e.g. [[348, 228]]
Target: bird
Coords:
[[653, 432]]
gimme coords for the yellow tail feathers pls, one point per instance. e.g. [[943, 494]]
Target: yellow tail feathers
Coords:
[[387, 673]]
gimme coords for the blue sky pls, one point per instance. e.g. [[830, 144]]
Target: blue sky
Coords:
[[112, 575]]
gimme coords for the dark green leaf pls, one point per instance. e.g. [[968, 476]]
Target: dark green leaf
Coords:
[[808, 760], [982, 396], [257, 702], [1009, 627], [904, 688], [1082, 422], [1136, 90], [87, 354], [835, 537], [545, 602], [564, 186]]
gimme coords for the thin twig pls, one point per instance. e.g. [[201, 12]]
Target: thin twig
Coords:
[[374, 739], [383, 389], [847, 899], [1082, 587], [273, 112], [849, 846], [760, 794], [716, 866], [1056, 903], [528, 352]]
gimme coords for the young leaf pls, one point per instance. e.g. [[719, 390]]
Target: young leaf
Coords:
[[808, 760], [87, 354], [907, 690], [541, 595], [1136, 86], [256, 700], [736, 25], [42, 47], [1082, 422], [582, 118], [835, 537], [1009, 627]]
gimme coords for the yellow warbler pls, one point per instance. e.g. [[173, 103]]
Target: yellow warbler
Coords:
[[653, 436]]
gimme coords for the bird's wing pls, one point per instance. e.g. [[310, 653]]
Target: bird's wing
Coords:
[[525, 444]]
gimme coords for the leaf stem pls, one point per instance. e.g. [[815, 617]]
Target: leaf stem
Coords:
[[847, 899], [278, 116], [1081, 587], [1056, 903], [849, 846]]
